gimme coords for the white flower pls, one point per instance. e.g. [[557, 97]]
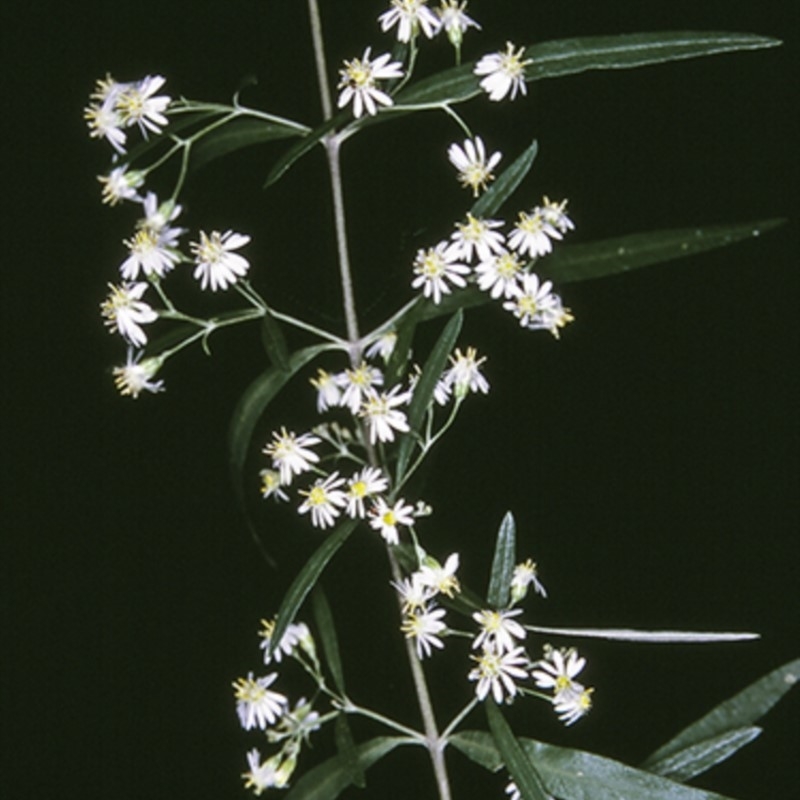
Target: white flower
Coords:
[[435, 267], [120, 184], [290, 454], [533, 234], [498, 630], [513, 792], [424, 626], [386, 518], [125, 311], [474, 170], [536, 306], [382, 346], [554, 317], [364, 484], [153, 247], [259, 776], [134, 377], [497, 671], [104, 122], [358, 82], [217, 266], [478, 237], [292, 637], [572, 704], [555, 214], [441, 579], [328, 391], [414, 594], [505, 72], [271, 485], [256, 706], [524, 575], [136, 105], [410, 16], [357, 384], [324, 500], [454, 20], [557, 669], [465, 374], [382, 416], [498, 274]]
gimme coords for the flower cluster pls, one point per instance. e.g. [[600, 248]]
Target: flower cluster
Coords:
[[556, 671]]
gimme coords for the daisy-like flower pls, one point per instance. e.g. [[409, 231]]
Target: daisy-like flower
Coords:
[[136, 104], [478, 237], [465, 374], [533, 234], [557, 670], [555, 317], [217, 266], [153, 248], [455, 21], [498, 274], [414, 594], [271, 485], [324, 500], [104, 122], [382, 415], [504, 72], [256, 705], [529, 299], [259, 776], [363, 485], [441, 579], [328, 391], [137, 376], [121, 184], [357, 384], [383, 346], [496, 672], [498, 630], [125, 311], [424, 626], [294, 635], [556, 215], [385, 518], [525, 575], [358, 85], [410, 16], [436, 268], [571, 705], [291, 454], [474, 169]]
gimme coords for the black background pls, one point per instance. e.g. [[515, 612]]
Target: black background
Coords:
[[650, 456]]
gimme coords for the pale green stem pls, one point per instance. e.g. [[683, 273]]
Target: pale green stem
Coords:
[[236, 110], [459, 718], [351, 708]]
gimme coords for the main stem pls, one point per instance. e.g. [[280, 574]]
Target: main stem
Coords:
[[332, 143]]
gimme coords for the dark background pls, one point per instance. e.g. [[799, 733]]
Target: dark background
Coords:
[[650, 456]]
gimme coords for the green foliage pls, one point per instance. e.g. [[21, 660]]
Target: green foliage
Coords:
[[503, 563], [505, 184]]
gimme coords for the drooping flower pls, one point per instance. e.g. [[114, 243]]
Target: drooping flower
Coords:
[[382, 415], [533, 234], [572, 704], [256, 705], [358, 82], [436, 268], [382, 346], [410, 16], [478, 237], [455, 20], [328, 391], [271, 485], [556, 215], [424, 625], [291, 454], [414, 594], [441, 579], [294, 634], [125, 311], [324, 500], [474, 169], [525, 575], [465, 374], [136, 376], [498, 630], [498, 274], [385, 518], [121, 184], [102, 117], [504, 72], [496, 672], [217, 266], [357, 384], [153, 248], [364, 485], [260, 776]]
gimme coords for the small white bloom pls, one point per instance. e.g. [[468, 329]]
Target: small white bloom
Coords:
[[385, 518], [357, 384], [137, 106], [153, 248], [536, 306], [496, 672], [465, 374], [533, 234], [292, 637], [363, 485], [474, 169], [382, 415], [358, 79], [271, 485], [259, 776], [498, 630], [383, 346], [454, 20], [136, 377], [120, 184], [504, 72], [256, 706], [498, 274], [414, 594], [104, 122], [441, 579], [290, 453], [557, 669], [328, 391], [424, 625], [324, 500], [554, 317], [572, 704], [410, 16], [524, 575], [556, 215], [478, 237], [513, 792], [437, 267], [217, 266], [125, 311]]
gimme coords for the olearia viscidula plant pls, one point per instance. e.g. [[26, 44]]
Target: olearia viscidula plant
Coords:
[[386, 406]]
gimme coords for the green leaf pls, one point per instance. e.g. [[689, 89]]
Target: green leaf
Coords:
[[236, 135], [696, 759], [329, 779], [741, 710], [505, 183], [308, 576], [581, 262], [323, 617], [305, 145], [346, 747], [503, 563], [398, 361], [423, 391], [275, 342], [517, 761], [577, 775]]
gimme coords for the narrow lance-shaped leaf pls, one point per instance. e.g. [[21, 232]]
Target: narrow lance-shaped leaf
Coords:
[[323, 617], [275, 342], [503, 563], [505, 184], [346, 747], [517, 761], [741, 710]]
